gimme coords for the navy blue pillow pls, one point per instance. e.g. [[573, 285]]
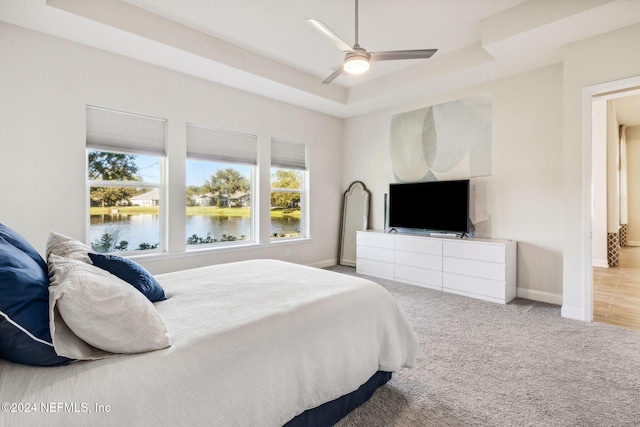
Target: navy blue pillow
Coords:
[[25, 336], [21, 243], [130, 272]]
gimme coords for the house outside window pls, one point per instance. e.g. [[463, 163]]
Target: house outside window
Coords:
[[125, 163], [220, 174], [288, 190]]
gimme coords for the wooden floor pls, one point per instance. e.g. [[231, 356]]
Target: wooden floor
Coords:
[[616, 291]]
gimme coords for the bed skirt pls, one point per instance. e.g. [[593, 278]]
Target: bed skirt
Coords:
[[331, 412]]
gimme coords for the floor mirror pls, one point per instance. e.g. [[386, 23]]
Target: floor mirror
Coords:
[[355, 217]]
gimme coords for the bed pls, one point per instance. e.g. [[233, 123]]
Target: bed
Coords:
[[252, 343]]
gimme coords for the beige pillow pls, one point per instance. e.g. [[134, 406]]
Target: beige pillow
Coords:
[[94, 313], [68, 247]]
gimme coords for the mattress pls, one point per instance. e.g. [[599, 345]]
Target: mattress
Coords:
[[253, 343]]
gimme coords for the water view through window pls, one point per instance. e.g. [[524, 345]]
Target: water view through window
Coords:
[[139, 229], [128, 188], [215, 213]]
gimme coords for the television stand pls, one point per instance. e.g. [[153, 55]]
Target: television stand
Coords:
[[477, 268], [451, 235]]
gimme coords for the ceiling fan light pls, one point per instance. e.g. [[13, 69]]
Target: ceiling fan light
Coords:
[[356, 64]]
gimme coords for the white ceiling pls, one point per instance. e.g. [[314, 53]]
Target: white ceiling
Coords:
[[266, 47], [277, 28]]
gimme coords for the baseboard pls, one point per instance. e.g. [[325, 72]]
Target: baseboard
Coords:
[[575, 313], [324, 264], [633, 243], [540, 296], [600, 263]]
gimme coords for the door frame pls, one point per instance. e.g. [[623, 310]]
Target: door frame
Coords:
[[609, 90]]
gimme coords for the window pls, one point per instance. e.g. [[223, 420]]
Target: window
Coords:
[[127, 194], [220, 174], [125, 159], [288, 195]]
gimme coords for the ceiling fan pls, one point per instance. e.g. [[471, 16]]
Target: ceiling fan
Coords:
[[356, 58]]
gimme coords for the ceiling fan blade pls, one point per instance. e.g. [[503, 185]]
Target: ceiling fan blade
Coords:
[[402, 54], [333, 76], [333, 37]]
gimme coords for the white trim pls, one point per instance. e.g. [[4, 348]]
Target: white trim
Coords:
[[325, 263], [541, 296], [125, 184], [572, 312], [586, 254], [196, 250], [603, 263], [163, 206]]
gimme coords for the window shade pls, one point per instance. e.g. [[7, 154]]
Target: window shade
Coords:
[[288, 155], [221, 145], [109, 130]]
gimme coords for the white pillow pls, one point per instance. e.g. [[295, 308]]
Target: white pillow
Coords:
[[93, 312], [68, 247]]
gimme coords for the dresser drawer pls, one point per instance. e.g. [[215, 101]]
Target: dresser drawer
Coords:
[[469, 267], [375, 268], [418, 276], [376, 240], [473, 250], [374, 254], [474, 285], [413, 259], [421, 245]]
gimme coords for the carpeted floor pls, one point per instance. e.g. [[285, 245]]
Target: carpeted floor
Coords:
[[520, 364]]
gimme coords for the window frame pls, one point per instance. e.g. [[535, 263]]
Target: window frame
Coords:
[[121, 134], [225, 147], [162, 209], [291, 156], [252, 204], [113, 131], [304, 233]]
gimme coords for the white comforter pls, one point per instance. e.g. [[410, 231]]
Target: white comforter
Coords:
[[254, 344]]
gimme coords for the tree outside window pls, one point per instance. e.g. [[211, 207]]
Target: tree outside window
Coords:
[[286, 202], [123, 201]]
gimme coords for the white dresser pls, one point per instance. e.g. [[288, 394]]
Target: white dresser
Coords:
[[478, 268]]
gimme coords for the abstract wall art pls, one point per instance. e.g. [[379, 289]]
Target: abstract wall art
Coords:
[[445, 141]]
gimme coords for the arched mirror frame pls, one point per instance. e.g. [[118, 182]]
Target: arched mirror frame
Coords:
[[355, 217]]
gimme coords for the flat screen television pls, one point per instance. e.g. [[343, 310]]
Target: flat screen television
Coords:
[[437, 206]]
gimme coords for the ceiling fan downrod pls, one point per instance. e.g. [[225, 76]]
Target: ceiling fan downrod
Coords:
[[356, 62]]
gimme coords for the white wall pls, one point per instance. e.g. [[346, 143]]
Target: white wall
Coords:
[[525, 189], [45, 84], [588, 65]]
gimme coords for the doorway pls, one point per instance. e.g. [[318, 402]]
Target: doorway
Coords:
[[615, 290]]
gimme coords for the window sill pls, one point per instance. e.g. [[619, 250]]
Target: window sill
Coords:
[[213, 249]]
